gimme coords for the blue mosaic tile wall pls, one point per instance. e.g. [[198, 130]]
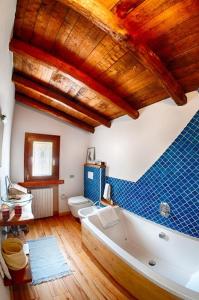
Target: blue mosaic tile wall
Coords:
[[93, 188], [174, 178]]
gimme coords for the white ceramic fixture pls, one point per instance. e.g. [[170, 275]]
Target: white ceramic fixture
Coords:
[[164, 256], [86, 211], [78, 202]]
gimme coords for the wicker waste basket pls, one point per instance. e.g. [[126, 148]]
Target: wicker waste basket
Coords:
[[13, 253]]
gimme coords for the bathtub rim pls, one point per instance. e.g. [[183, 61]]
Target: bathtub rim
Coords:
[[163, 282], [164, 227]]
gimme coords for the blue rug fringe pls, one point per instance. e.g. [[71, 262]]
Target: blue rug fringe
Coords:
[[43, 238], [51, 278]]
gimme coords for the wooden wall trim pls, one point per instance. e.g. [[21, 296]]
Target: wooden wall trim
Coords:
[[103, 18], [53, 112], [64, 213], [48, 92], [41, 183], [20, 47]]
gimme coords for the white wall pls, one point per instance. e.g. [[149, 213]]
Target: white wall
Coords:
[[130, 147], [7, 11], [73, 147]]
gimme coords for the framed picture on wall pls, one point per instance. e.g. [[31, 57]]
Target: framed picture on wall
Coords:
[[90, 155]]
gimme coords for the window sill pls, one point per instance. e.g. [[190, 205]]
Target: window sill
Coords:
[[41, 183]]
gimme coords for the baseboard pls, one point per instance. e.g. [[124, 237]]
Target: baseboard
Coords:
[[64, 213]]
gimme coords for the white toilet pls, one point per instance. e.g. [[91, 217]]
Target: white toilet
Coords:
[[78, 202]]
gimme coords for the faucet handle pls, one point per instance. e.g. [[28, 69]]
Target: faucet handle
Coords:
[[165, 209]]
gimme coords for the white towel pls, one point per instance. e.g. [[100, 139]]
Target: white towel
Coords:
[[108, 217], [107, 191]]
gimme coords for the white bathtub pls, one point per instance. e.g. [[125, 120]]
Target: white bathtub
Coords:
[[136, 241]]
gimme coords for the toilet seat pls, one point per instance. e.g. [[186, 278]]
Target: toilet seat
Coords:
[[78, 200]]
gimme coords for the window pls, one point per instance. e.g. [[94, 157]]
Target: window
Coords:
[[41, 157]]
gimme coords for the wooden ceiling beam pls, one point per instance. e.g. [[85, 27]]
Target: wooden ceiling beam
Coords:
[[20, 47], [48, 92], [124, 7], [99, 15], [102, 17], [53, 112]]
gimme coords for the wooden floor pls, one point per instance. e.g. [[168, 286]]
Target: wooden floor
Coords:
[[89, 280]]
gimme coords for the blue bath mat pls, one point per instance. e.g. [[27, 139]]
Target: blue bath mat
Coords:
[[46, 260]]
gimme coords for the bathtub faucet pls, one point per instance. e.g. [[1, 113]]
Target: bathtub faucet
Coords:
[[165, 209]]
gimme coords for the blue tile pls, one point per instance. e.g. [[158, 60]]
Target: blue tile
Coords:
[[173, 178], [93, 188]]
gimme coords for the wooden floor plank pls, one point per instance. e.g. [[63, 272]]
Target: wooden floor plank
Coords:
[[89, 281]]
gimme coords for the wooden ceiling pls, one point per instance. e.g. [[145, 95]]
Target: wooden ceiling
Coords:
[[88, 62]]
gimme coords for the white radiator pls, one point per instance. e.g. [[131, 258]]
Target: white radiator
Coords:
[[42, 202]]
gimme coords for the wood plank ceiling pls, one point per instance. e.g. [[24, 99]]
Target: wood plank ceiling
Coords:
[[88, 62]]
